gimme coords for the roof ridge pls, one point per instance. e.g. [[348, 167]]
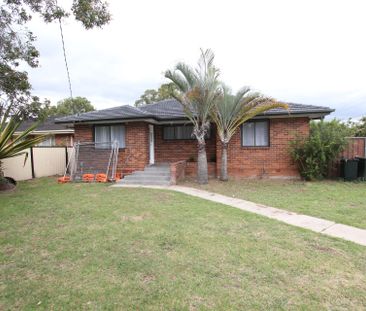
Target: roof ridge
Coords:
[[158, 102], [138, 109], [311, 105]]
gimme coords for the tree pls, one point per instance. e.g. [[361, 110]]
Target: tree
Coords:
[[17, 42], [165, 91], [315, 153], [71, 106], [11, 146], [360, 127], [198, 91], [232, 111]]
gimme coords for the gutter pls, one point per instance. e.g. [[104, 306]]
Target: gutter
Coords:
[[71, 131]]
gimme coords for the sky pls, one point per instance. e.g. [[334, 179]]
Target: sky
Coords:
[[307, 52]]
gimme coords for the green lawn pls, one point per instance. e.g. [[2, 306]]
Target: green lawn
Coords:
[[342, 202], [80, 246]]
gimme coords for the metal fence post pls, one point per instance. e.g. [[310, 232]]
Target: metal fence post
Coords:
[[32, 162]]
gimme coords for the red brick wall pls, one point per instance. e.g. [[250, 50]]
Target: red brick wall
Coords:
[[177, 171], [134, 157], [176, 150], [61, 139], [191, 169], [272, 161], [64, 139]]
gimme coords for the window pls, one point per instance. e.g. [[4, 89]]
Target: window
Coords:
[[178, 132], [105, 135], [255, 134], [48, 142]]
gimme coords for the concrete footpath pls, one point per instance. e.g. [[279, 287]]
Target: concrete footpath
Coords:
[[315, 224]]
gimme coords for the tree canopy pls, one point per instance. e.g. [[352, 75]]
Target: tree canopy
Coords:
[[70, 106], [165, 91], [17, 43], [359, 128]]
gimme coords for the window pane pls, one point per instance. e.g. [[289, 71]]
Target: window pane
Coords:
[[48, 142], [168, 132], [102, 137], [183, 132], [118, 134], [248, 134], [261, 133], [178, 132]]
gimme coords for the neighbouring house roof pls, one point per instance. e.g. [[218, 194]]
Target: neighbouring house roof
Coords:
[[47, 126], [171, 109]]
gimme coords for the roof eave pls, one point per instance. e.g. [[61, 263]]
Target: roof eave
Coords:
[[158, 119]]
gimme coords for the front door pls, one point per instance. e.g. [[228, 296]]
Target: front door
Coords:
[[151, 144]]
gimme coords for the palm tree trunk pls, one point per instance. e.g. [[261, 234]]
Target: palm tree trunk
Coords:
[[202, 171], [223, 175]]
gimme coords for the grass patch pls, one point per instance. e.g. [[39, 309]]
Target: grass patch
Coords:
[[81, 246], [342, 202]]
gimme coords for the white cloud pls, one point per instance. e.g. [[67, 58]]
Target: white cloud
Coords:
[[312, 52]]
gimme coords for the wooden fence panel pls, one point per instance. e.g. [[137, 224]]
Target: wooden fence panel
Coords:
[[356, 148]]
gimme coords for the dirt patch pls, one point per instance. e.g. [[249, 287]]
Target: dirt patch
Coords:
[[6, 186], [325, 249], [148, 278]]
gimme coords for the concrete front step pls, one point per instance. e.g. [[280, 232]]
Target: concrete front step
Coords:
[[145, 178], [151, 175], [144, 182], [156, 169]]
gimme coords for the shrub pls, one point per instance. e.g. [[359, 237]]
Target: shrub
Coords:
[[314, 154]]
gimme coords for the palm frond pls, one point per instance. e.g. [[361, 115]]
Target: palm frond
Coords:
[[199, 89], [233, 110], [177, 80], [11, 145]]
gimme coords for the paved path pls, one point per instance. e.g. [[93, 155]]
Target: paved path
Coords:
[[319, 225]]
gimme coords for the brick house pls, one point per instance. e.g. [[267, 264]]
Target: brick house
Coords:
[[161, 133], [58, 134]]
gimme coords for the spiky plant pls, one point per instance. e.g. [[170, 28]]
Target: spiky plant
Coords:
[[11, 145], [198, 91], [231, 111]]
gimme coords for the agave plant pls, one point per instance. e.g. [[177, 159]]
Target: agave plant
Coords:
[[198, 90], [231, 111], [11, 145]]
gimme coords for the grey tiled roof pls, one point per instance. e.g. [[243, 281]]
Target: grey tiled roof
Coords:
[[171, 109], [115, 113], [47, 125], [165, 109]]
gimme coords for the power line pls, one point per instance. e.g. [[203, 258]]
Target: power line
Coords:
[[63, 47]]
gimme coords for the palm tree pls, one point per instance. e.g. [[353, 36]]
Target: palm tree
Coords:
[[231, 111], [198, 91], [11, 146]]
